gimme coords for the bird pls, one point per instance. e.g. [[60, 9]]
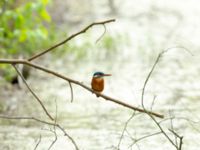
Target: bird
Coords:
[[97, 82]]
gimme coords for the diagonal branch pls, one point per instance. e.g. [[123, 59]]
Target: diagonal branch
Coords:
[[16, 61], [69, 38], [36, 97]]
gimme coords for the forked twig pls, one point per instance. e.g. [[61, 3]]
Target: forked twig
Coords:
[[143, 91], [69, 38], [142, 98], [43, 122]]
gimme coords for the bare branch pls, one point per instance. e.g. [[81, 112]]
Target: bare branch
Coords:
[[102, 33], [154, 65], [36, 97], [149, 75], [43, 122], [124, 129], [142, 98], [143, 91], [16, 61], [69, 38]]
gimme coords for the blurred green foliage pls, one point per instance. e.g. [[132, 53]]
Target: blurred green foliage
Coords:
[[86, 47], [22, 26], [24, 29]]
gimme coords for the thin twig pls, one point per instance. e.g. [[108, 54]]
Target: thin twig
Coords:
[[101, 34], [34, 95], [144, 87], [69, 38], [55, 135], [54, 128], [124, 129], [17, 61], [142, 98], [149, 75], [179, 147], [144, 137], [38, 142], [66, 134], [152, 104], [172, 126], [71, 90], [26, 118], [176, 134], [189, 121]]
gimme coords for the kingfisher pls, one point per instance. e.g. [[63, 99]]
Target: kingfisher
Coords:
[[98, 81]]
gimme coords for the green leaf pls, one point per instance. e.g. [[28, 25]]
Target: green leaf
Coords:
[[19, 21], [12, 51], [44, 14], [23, 35], [45, 2]]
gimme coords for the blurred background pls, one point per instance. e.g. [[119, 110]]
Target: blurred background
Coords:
[[128, 51]]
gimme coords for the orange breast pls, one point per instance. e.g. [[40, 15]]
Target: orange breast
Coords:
[[97, 84]]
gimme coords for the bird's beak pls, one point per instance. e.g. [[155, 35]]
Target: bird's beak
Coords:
[[107, 75]]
